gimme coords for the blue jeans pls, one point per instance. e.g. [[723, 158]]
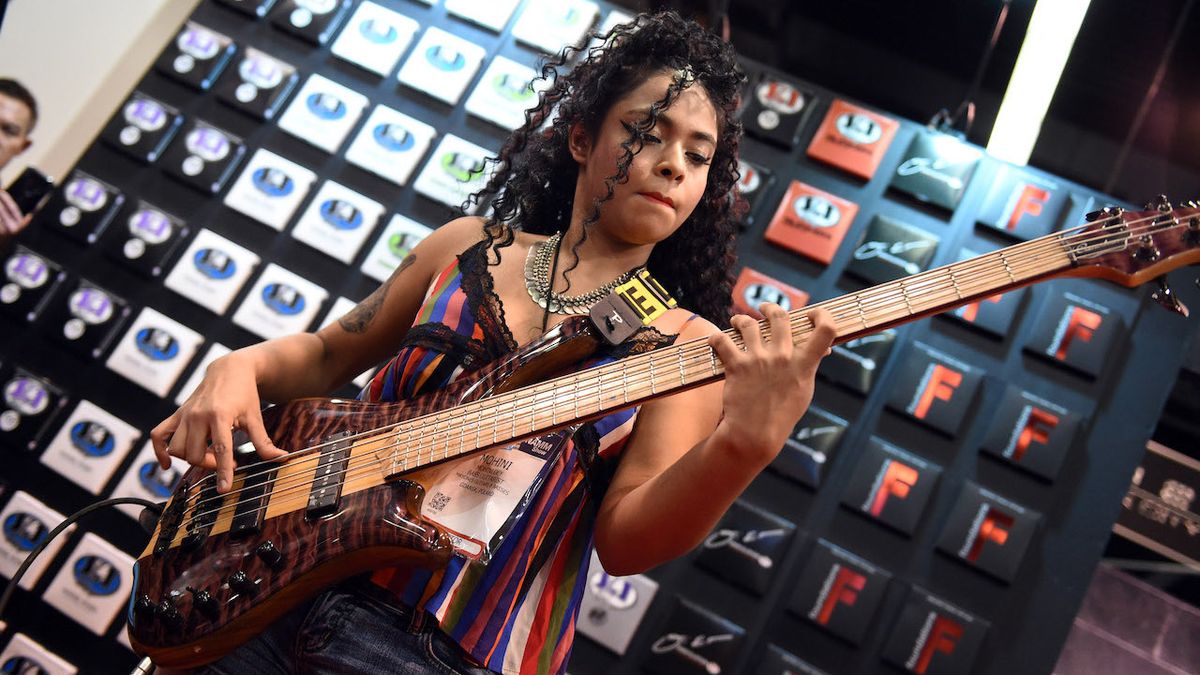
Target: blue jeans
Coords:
[[347, 630]]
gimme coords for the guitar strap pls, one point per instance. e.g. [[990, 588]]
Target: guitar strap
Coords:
[[633, 304], [618, 317]]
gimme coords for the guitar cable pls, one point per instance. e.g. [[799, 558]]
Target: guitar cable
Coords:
[[148, 519]]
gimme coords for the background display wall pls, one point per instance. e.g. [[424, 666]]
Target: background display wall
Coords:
[[940, 509]]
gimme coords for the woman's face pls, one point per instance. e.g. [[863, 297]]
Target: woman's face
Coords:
[[667, 176]]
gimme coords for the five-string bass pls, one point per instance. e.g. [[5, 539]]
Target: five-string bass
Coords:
[[218, 568]]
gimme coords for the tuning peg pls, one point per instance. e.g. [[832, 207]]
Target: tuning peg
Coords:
[[1106, 212], [1160, 203], [1166, 297]]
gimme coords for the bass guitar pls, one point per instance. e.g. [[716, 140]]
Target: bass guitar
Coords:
[[218, 568]]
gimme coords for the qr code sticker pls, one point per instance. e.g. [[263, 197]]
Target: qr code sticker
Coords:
[[438, 501]]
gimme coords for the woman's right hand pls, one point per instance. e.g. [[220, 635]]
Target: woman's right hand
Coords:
[[201, 431]]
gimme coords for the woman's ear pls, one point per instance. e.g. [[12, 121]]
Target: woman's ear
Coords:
[[579, 142]]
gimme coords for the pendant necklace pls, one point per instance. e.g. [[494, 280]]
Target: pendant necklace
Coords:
[[538, 272]]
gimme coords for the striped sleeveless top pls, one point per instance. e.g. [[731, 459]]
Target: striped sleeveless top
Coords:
[[517, 613]]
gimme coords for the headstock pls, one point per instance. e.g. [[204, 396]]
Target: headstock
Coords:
[[1133, 247]]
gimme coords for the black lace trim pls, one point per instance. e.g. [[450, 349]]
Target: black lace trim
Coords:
[[480, 289], [459, 351]]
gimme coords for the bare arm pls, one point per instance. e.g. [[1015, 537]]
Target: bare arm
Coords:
[[692, 454], [305, 364]]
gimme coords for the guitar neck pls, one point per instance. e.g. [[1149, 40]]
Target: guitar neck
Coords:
[[589, 394]]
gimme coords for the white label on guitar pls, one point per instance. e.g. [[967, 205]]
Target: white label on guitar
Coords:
[[473, 498]]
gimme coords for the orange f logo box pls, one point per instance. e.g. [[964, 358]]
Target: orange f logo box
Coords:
[[1026, 199], [940, 384], [1080, 323], [943, 635], [1038, 425], [970, 312], [994, 528], [843, 590], [897, 480]]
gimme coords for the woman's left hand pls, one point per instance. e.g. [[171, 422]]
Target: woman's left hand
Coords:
[[769, 382]]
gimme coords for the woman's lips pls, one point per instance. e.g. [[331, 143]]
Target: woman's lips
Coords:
[[654, 196]]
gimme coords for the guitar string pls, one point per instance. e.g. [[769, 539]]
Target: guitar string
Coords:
[[536, 400], [1049, 239], [536, 396], [418, 451], [880, 287]]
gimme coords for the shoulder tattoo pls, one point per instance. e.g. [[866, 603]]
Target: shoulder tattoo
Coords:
[[359, 319]]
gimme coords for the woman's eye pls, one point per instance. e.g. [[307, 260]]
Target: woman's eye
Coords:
[[698, 158]]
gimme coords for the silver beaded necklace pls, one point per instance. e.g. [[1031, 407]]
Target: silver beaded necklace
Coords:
[[537, 281]]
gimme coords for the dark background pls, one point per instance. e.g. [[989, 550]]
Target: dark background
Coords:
[[1109, 126], [915, 58]]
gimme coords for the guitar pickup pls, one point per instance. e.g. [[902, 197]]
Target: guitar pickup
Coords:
[[326, 489], [204, 515], [251, 509], [172, 516]]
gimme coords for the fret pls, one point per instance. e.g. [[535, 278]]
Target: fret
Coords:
[[398, 442], [954, 283], [404, 456], [650, 362], [575, 399], [421, 441], [420, 446], [682, 376], [862, 313], [904, 295], [495, 430], [599, 391], [425, 438], [1007, 269], [432, 439], [625, 381], [600, 397], [462, 439], [712, 361]]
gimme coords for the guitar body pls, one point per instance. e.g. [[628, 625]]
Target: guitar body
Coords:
[[219, 568]]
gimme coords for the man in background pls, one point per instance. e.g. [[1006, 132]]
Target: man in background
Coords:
[[18, 114]]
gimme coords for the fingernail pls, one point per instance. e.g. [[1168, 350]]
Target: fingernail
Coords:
[[223, 483]]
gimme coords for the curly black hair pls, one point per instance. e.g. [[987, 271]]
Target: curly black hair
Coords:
[[534, 175]]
